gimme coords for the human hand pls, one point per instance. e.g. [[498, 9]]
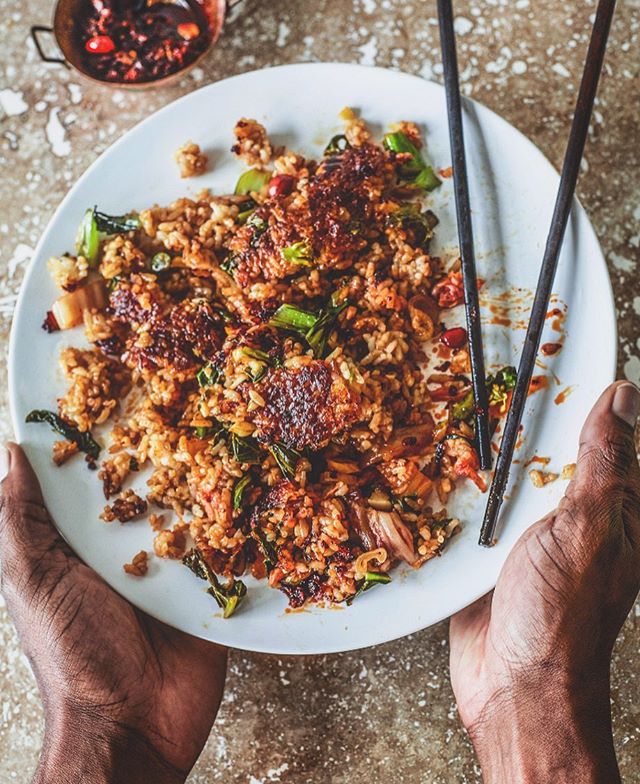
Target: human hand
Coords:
[[126, 698], [530, 663]]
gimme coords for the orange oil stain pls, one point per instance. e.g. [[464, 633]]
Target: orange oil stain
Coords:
[[562, 396]]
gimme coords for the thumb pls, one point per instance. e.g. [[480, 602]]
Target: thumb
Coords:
[[607, 468], [26, 530]]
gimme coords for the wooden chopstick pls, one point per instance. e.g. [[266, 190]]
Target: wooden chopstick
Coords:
[[465, 231], [562, 209]]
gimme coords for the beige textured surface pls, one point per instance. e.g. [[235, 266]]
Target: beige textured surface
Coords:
[[385, 713]]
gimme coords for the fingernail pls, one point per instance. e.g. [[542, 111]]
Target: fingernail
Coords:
[[626, 403], [4, 462]]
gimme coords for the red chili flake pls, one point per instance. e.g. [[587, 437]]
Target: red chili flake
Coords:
[[280, 185], [100, 44], [188, 30], [50, 324], [454, 338]]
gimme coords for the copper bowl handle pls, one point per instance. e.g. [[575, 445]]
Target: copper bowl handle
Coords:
[[35, 30]]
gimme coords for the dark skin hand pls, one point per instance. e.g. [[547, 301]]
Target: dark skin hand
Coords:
[[126, 698], [530, 662]]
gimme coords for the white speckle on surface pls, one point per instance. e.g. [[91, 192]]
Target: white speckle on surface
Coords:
[[622, 263], [41, 106], [368, 51], [75, 93], [636, 305], [197, 74], [12, 102], [632, 369], [57, 135], [21, 254], [274, 774], [283, 34], [560, 70], [518, 67], [369, 6], [462, 25]]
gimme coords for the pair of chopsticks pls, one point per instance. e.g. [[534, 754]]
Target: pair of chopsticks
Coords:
[[561, 212]]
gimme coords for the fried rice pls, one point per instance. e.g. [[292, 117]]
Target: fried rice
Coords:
[[263, 353]]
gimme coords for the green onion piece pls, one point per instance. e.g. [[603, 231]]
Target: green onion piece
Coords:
[[299, 253], [88, 239], [202, 431], [114, 224], [160, 261], [85, 441], [318, 335], [370, 579], [286, 458], [252, 181], [228, 596], [208, 375], [427, 180], [292, 317], [415, 168], [244, 450], [338, 144], [239, 490]]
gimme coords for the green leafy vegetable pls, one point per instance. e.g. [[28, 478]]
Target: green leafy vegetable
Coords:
[[245, 210], [85, 441], [414, 169], [463, 410], [268, 549], [239, 491], [88, 238], [370, 579], [228, 596], [498, 387], [316, 329], [299, 253], [208, 375], [318, 335], [286, 458], [421, 224], [244, 449], [251, 181], [160, 261], [338, 144], [114, 224]]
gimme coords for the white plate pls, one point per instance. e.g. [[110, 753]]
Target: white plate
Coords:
[[513, 189]]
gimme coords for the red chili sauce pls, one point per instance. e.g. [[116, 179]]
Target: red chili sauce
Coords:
[[140, 41]]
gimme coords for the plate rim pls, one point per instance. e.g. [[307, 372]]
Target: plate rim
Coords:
[[12, 369]]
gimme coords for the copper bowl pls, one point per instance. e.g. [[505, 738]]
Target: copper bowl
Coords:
[[68, 11]]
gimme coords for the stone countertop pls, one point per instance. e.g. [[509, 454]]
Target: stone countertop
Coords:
[[386, 712]]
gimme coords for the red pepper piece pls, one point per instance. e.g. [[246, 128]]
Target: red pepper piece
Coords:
[[188, 30], [100, 44], [454, 338], [280, 185]]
